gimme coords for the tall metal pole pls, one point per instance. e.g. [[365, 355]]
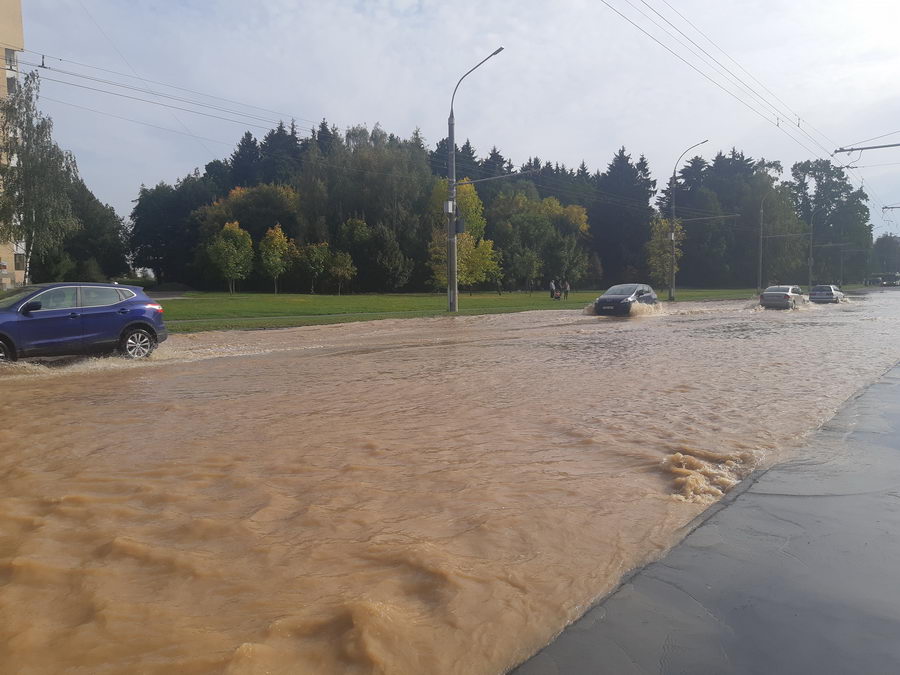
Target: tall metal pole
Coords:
[[812, 220], [452, 285], [810, 259], [759, 269], [841, 278], [672, 236], [672, 224]]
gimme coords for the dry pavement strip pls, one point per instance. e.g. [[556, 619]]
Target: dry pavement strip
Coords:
[[797, 572]]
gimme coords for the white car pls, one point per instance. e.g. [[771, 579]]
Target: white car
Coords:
[[782, 297], [826, 293]]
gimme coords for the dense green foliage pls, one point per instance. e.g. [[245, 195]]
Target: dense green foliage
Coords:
[[231, 252], [364, 208], [886, 254], [65, 232], [376, 201]]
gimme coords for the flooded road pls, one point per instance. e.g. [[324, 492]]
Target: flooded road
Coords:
[[417, 496]]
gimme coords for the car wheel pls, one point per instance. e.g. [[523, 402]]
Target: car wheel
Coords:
[[137, 343], [7, 355]]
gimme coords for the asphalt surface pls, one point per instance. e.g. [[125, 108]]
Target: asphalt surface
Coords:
[[797, 571]]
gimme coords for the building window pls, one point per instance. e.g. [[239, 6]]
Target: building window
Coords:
[[11, 59], [19, 262]]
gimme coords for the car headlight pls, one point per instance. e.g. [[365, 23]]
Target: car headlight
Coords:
[[628, 300]]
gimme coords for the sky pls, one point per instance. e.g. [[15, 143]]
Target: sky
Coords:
[[576, 80]]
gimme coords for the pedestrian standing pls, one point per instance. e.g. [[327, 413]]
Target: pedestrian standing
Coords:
[[566, 289], [552, 289]]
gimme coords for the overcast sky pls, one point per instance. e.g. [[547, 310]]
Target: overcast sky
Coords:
[[576, 81]]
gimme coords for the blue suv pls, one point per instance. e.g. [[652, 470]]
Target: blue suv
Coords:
[[78, 318]]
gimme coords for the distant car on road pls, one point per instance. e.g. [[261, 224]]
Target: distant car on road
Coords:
[[826, 293], [782, 297], [78, 318], [618, 300]]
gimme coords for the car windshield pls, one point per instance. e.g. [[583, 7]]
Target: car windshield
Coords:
[[14, 295], [622, 289], [821, 288], [778, 289]]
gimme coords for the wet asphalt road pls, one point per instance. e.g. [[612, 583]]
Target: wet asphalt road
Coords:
[[799, 572]]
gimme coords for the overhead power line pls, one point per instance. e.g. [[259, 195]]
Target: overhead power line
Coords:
[[705, 75], [151, 92], [727, 72], [874, 138], [128, 119], [794, 114], [132, 69], [44, 56], [784, 128], [158, 103]]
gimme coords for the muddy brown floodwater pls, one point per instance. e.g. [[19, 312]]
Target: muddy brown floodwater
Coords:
[[405, 497]]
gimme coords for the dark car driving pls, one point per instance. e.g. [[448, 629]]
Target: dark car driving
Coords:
[[618, 300], [78, 318]]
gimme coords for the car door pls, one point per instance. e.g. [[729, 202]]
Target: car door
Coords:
[[55, 328], [102, 315]]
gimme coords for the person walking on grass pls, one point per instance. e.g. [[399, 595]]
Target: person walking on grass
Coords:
[[566, 289], [552, 289]]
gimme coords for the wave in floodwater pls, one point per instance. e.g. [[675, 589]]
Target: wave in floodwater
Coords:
[[637, 309], [406, 496]]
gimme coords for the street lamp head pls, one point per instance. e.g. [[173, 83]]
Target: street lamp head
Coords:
[[499, 49]]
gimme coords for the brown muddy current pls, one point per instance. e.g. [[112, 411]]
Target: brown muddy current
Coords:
[[404, 497]]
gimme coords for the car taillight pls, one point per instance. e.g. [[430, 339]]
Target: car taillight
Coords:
[[155, 306], [787, 297]]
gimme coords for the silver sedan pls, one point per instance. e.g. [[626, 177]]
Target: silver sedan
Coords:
[[782, 297], [826, 293]]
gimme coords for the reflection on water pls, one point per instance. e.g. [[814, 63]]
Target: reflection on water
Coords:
[[420, 496]]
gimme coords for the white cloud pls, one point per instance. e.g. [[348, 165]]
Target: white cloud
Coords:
[[575, 80]]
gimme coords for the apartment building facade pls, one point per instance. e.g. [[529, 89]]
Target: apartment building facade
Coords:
[[12, 41]]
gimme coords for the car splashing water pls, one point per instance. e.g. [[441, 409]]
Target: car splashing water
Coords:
[[421, 496]]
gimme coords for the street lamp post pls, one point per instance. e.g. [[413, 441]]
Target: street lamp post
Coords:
[[450, 207], [811, 230], [759, 269], [672, 224]]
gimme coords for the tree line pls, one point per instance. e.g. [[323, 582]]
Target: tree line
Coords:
[[363, 209], [62, 229]]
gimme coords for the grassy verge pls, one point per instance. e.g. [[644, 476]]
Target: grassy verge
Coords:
[[197, 311]]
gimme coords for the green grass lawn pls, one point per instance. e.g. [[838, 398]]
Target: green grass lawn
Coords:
[[197, 311]]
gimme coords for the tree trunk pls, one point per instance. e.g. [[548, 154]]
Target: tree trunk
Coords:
[[339, 288], [275, 279]]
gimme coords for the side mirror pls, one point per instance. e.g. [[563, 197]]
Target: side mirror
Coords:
[[32, 306]]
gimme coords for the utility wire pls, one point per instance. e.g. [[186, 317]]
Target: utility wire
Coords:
[[128, 119], [728, 74], [783, 129], [131, 68], [874, 138], [164, 105], [44, 56], [735, 78], [703, 74], [153, 93], [749, 74]]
